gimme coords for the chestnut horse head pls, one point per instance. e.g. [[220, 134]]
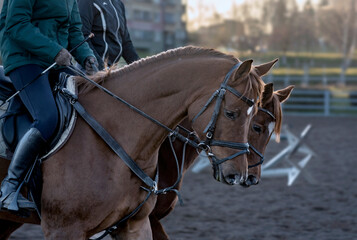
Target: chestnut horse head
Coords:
[[265, 122]]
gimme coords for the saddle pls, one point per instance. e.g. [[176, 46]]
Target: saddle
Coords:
[[16, 120]]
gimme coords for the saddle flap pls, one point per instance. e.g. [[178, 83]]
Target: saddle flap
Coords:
[[17, 120]]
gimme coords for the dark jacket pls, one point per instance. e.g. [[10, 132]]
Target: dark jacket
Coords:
[[106, 19], [34, 31]]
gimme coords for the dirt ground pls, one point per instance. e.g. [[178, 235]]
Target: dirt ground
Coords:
[[322, 208]]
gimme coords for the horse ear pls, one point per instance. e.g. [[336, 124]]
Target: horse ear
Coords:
[[267, 94], [284, 94], [243, 70], [264, 68]]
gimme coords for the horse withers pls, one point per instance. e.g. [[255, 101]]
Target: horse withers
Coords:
[[87, 188]]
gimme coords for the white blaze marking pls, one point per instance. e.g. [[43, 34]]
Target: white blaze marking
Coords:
[[249, 110], [271, 127]]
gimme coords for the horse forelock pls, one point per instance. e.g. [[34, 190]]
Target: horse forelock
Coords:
[[84, 86], [256, 85]]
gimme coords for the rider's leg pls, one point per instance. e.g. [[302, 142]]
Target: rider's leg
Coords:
[[39, 101]]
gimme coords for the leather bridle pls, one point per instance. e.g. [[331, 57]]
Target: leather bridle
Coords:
[[210, 129], [253, 148]]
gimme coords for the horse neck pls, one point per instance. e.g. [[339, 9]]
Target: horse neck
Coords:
[[164, 93]]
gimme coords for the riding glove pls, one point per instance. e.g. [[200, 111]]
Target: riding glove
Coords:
[[91, 65], [63, 58]]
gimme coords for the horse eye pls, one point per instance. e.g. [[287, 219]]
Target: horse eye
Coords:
[[257, 128], [230, 114]]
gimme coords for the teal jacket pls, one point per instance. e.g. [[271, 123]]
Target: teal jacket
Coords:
[[34, 31]]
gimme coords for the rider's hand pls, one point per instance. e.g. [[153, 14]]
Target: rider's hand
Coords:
[[63, 58], [91, 65]]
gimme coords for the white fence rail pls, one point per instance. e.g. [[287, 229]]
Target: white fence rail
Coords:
[[309, 80], [292, 168], [321, 102]]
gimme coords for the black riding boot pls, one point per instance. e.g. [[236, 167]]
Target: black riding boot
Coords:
[[27, 150]]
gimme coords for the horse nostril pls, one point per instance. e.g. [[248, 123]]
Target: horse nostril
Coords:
[[232, 179], [252, 180]]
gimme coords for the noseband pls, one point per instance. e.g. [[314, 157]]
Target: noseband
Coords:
[[253, 148], [210, 129]]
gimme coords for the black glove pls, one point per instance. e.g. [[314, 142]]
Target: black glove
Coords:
[[63, 58], [91, 65]]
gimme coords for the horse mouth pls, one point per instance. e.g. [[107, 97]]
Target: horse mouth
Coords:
[[232, 179]]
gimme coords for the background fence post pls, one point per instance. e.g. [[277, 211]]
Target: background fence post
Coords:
[[324, 77], [305, 79], [327, 98]]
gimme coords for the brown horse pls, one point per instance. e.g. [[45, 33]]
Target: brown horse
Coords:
[[259, 134], [264, 123], [87, 188]]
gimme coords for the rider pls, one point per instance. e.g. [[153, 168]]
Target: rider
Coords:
[[33, 35], [106, 19]]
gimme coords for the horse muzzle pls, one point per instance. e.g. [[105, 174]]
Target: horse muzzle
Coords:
[[230, 179]]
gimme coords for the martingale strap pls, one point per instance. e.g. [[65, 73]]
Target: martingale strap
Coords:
[[113, 144]]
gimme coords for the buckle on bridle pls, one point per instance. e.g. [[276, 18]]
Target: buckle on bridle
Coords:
[[209, 135], [204, 146], [154, 188]]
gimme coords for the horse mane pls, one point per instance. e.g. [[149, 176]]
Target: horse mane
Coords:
[[278, 113], [84, 86]]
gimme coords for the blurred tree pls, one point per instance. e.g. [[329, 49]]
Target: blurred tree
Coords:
[[281, 16], [254, 30], [323, 3], [308, 24], [280, 37], [349, 40], [338, 26]]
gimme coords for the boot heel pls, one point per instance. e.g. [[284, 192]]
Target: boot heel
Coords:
[[13, 206]]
